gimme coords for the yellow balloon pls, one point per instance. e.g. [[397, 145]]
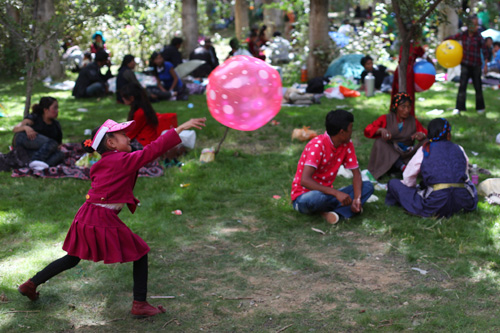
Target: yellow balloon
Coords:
[[449, 53]]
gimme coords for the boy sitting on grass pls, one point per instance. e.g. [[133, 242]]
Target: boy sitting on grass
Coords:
[[312, 187]]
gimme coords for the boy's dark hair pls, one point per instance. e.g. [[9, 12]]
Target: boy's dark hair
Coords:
[[176, 41], [488, 38], [102, 148], [337, 120], [365, 59], [496, 44]]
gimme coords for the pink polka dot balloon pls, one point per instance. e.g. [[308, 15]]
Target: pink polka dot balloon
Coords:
[[244, 93]]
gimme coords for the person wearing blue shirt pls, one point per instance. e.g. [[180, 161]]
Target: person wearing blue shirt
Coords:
[[495, 64], [167, 78]]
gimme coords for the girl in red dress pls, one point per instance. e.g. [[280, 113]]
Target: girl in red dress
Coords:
[[97, 233]]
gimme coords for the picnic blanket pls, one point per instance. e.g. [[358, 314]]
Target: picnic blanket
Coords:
[[68, 169]]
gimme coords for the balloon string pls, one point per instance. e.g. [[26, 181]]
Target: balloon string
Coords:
[[221, 141]]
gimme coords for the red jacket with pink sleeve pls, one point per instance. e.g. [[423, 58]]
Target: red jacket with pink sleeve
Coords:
[[114, 175]]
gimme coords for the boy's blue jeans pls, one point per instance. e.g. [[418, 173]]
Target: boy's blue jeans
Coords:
[[317, 202]]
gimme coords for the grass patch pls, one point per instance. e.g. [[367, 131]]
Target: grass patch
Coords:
[[240, 260]]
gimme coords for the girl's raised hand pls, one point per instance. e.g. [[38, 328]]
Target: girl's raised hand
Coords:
[[197, 123]]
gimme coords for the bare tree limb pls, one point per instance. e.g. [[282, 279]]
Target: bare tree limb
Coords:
[[428, 12]]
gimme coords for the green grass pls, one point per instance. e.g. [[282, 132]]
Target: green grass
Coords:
[[239, 260]]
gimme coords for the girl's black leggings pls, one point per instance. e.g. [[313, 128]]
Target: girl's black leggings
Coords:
[[67, 262]]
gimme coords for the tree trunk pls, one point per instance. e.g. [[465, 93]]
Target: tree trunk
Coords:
[[405, 47], [48, 53], [450, 28], [30, 78], [318, 38], [406, 36], [189, 26], [273, 19], [241, 21], [31, 54]]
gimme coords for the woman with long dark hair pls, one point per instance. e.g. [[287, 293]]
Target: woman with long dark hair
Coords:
[[167, 78], [40, 134], [149, 124]]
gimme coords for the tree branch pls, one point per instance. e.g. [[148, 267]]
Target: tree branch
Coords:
[[428, 12], [11, 28], [399, 19]]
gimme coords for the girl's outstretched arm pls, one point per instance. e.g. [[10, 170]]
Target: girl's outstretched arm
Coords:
[[197, 123]]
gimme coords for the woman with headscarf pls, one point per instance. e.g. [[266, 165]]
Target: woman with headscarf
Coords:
[[395, 134], [445, 188]]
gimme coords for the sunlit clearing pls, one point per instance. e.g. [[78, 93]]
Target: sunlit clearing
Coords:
[[22, 265]]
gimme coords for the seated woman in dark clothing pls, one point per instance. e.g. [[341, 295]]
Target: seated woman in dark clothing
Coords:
[[395, 135], [383, 76], [171, 52], [445, 188], [126, 76], [91, 82], [167, 78], [40, 134], [206, 52]]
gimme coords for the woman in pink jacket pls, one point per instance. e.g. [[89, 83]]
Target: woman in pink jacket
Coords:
[[97, 233]]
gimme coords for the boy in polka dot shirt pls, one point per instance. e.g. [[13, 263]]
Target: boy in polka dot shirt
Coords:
[[312, 187]]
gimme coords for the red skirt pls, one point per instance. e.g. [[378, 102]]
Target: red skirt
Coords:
[[97, 233]]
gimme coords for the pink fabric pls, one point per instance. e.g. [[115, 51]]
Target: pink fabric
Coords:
[[96, 232], [114, 175], [115, 127], [110, 126], [321, 154]]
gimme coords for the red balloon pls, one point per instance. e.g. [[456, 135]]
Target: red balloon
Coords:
[[424, 81], [244, 93]]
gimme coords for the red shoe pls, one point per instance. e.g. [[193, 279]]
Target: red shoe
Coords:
[[144, 309], [28, 289]]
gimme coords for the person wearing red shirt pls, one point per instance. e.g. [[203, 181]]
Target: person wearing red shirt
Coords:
[[395, 134], [148, 123], [312, 186]]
